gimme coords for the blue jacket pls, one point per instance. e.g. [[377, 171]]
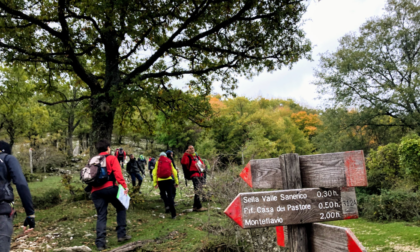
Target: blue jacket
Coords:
[[10, 171]]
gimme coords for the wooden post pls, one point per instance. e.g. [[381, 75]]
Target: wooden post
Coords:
[[297, 234], [30, 160]]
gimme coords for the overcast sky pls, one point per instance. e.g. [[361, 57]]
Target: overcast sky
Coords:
[[326, 22]]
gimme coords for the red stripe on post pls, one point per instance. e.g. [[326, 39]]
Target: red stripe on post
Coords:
[[355, 168], [246, 174], [353, 243], [234, 211], [280, 236]]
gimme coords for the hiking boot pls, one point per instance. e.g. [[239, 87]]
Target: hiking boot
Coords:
[[173, 217], [101, 248], [125, 238], [203, 209]]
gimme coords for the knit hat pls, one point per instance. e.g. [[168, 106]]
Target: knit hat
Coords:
[[162, 154], [5, 147], [168, 152]]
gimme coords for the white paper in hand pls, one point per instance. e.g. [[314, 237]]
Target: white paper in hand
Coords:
[[124, 199]]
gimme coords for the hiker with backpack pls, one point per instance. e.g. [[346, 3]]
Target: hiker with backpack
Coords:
[[142, 164], [134, 170], [193, 168], [102, 173], [166, 178], [170, 155], [10, 170], [151, 166], [121, 155]]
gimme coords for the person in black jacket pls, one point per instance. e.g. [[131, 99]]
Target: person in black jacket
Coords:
[[10, 170], [151, 166], [134, 170]]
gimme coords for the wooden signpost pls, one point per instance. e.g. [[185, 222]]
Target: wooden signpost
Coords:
[[316, 188], [324, 237], [323, 170], [291, 207]]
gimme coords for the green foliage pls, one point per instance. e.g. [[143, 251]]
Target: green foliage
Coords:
[[102, 43], [31, 177], [207, 147], [48, 199], [383, 167], [20, 113], [409, 152], [77, 191], [260, 128], [377, 69], [391, 206], [344, 130]]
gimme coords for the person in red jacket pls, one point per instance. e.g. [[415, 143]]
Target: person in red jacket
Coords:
[[121, 155], [107, 193], [190, 159]]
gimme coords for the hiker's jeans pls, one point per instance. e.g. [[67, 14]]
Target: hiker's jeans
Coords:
[[134, 176], [6, 231], [167, 188], [101, 199], [198, 183]]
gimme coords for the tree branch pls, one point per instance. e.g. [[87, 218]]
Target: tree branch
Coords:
[[65, 101]]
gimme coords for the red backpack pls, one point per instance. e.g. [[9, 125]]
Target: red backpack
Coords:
[[164, 167]]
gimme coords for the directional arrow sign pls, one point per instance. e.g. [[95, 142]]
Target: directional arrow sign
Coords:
[[324, 237], [341, 169], [291, 207]]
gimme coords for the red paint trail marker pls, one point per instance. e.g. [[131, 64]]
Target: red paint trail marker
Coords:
[[246, 175], [234, 211]]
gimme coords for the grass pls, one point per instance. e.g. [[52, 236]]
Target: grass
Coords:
[[73, 223], [391, 236]]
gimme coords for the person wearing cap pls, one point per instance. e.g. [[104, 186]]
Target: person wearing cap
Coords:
[[10, 170], [107, 193], [166, 185], [142, 163]]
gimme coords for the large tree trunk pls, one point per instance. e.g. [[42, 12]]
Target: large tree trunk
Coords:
[[103, 114], [101, 103]]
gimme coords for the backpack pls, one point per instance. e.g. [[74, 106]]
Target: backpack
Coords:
[[152, 163], [95, 172], [164, 167], [186, 169], [6, 190], [120, 153]]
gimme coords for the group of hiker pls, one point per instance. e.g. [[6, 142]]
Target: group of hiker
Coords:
[[102, 174]]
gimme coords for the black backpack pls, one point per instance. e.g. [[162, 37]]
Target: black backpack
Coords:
[[186, 170]]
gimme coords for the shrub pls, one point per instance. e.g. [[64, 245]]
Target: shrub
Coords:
[[30, 177], [48, 199], [383, 167], [390, 205], [409, 152], [77, 192]]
